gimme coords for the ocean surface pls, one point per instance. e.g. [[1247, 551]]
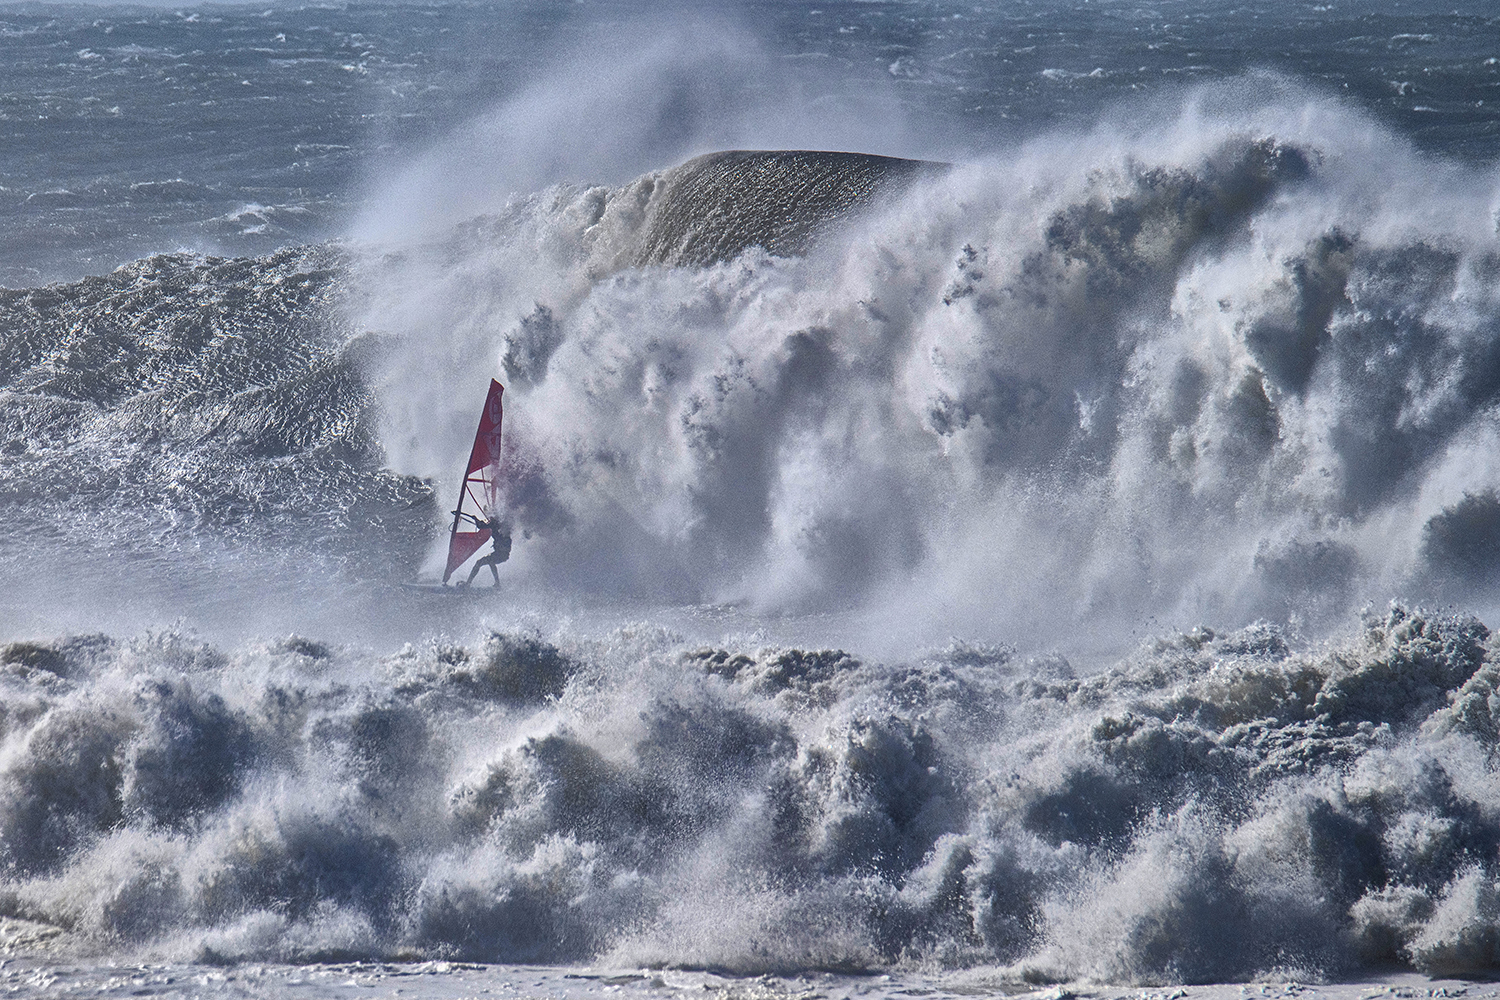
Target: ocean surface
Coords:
[[1006, 499]]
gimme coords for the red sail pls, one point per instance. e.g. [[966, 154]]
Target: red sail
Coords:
[[480, 494]]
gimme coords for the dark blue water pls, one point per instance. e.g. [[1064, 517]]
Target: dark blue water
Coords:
[[238, 129]]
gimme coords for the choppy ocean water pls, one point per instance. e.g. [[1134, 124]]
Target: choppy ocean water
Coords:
[[1054, 545]]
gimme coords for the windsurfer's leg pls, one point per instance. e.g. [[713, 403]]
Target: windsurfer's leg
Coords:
[[473, 573], [496, 571]]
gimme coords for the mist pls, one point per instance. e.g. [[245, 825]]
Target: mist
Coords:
[[633, 95]]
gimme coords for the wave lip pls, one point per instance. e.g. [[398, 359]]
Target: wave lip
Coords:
[[716, 206]]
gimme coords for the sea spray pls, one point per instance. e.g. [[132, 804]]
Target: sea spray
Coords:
[[1228, 365], [1220, 367]]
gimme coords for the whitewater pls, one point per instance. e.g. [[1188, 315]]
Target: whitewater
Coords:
[[1003, 501]]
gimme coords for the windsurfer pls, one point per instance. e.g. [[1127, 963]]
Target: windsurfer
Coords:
[[499, 540], [479, 499]]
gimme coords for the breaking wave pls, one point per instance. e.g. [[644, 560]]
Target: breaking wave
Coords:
[[1216, 807], [1232, 362], [1229, 366]]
